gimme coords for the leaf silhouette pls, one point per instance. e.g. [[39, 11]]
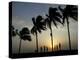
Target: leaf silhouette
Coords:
[[25, 34]]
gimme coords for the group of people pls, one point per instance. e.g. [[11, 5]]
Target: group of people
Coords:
[[44, 49], [57, 47]]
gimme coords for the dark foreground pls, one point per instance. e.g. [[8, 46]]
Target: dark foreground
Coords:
[[56, 53]]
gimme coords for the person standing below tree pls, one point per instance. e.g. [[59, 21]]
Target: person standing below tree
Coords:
[[59, 46], [41, 49], [47, 49]]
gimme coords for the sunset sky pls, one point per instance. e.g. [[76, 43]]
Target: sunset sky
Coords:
[[22, 14]]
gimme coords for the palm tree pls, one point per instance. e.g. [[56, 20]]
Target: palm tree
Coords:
[[39, 25], [52, 16], [72, 12], [24, 34]]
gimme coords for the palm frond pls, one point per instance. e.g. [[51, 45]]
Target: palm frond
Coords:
[[13, 32], [48, 23], [63, 20], [33, 30], [38, 29], [54, 16], [39, 25], [39, 19], [74, 17], [55, 24], [57, 19], [58, 14], [62, 10], [52, 11], [25, 34], [69, 11], [34, 21]]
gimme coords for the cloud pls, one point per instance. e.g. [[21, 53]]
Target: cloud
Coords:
[[19, 23]]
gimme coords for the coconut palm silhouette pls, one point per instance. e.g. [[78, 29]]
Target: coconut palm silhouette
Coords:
[[52, 16], [39, 25], [24, 34], [72, 12]]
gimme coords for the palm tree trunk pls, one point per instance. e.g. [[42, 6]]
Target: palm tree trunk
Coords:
[[68, 34], [51, 38], [36, 42], [20, 46]]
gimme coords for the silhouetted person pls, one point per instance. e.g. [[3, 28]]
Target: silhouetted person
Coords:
[[41, 49], [47, 49], [44, 48], [59, 46]]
